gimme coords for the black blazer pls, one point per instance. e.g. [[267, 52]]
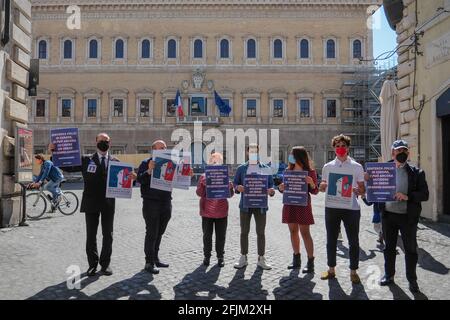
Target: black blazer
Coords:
[[417, 193], [94, 193]]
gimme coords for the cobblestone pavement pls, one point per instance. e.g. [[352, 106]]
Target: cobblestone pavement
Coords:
[[34, 260]]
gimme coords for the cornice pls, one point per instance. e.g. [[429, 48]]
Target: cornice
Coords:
[[146, 9], [205, 2]]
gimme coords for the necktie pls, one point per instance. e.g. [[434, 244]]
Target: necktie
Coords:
[[103, 164]]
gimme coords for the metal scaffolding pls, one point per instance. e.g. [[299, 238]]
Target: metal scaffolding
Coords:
[[362, 109]]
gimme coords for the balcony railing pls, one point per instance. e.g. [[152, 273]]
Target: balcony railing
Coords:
[[192, 119]]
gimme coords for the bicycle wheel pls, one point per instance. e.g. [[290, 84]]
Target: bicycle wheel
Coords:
[[36, 205], [68, 204]]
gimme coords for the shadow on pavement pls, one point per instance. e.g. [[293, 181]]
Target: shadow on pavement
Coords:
[[294, 288], [137, 287], [62, 292], [439, 227], [427, 262], [241, 289], [335, 291], [199, 285]]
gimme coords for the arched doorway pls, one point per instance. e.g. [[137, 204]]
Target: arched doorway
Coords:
[[443, 112]]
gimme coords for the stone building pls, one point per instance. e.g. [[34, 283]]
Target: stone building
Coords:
[[15, 54], [277, 63], [424, 92]]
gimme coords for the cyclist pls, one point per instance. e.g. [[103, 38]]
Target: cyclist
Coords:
[[54, 176]]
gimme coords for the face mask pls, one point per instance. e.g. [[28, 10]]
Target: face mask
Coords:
[[401, 157], [291, 159], [341, 151], [103, 145], [253, 157]]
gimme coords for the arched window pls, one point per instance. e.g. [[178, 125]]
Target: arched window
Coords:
[[198, 49], [68, 49], [224, 48], [304, 49], [145, 49], [42, 49], [331, 49], [171, 49], [251, 49], [120, 46], [357, 49], [93, 49], [278, 49]]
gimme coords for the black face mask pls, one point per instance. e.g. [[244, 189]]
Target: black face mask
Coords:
[[103, 145], [401, 157]]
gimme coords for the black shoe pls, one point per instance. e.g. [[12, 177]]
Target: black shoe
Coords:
[[295, 262], [206, 261], [220, 262], [414, 287], [386, 281], [150, 267], [91, 271], [107, 271], [309, 266], [160, 264]]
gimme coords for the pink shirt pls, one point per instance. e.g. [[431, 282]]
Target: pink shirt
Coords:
[[211, 208]]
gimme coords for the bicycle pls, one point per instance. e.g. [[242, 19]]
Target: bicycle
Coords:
[[36, 203]]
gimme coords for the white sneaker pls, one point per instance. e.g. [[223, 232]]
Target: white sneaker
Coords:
[[340, 237], [263, 264], [242, 262]]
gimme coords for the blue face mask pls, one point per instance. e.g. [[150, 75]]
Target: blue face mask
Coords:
[[253, 157], [291, 159]]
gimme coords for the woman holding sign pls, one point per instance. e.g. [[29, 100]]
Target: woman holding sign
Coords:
[[214, 211], [299, 216]]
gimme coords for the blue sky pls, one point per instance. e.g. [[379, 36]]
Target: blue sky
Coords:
[[384, 37]]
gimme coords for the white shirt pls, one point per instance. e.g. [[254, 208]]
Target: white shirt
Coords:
[[350, 166], [106, 158]]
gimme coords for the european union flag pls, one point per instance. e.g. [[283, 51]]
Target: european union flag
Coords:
[[223, 106]]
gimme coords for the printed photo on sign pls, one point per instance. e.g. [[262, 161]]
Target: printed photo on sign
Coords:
[[340, 190], [165, 169], [182, 179], [119, 182]]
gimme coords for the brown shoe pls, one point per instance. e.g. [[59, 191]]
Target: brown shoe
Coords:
[[354, 278], [327, 275]]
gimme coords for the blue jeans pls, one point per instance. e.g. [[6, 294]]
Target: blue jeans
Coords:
[[53, 187]]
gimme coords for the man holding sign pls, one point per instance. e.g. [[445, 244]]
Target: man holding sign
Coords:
[[343, 181], [402, 215], [157, 203], [254, 203], [96, 203]]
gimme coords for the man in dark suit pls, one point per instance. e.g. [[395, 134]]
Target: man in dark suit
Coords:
[[403, 215], [94, 169]]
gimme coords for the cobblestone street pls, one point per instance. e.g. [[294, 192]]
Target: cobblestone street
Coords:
[[34, 259]]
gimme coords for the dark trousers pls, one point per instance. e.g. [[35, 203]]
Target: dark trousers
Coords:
[[392, 224], [260, 222], [92, 220], [156, 215], [208, 225], [350, 218]]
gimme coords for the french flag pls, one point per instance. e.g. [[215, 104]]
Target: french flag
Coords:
[[179, 104]]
